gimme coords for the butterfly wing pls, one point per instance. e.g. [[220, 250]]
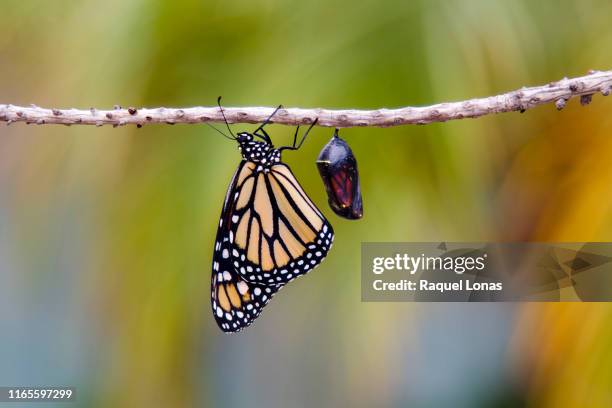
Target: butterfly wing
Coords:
[[277, 232], [235, 302]]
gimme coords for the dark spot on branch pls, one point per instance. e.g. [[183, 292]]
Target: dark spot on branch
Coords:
[[117, 107], [149, 118], [138, 125], [132, 110], [560, 103], [109, 115], [20, 113], [56, 112], [586, 99]]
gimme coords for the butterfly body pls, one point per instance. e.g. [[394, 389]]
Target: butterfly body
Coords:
[[269, 233]]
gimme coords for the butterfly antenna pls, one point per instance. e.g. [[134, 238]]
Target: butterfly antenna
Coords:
[[222, 134], [224, 118]]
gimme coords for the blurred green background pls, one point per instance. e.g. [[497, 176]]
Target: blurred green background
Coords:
[[106, 234]]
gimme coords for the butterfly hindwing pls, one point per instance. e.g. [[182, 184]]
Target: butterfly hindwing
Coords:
[[235, 302], [277, 232]]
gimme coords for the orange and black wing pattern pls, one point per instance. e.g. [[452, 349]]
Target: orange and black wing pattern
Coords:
[[278, 233], [235, 302], [269, 233]]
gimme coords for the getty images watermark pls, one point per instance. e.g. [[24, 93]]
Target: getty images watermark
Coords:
[[422, 263], [443, 272]]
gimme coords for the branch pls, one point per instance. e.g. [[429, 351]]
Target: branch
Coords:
[[520, 100]]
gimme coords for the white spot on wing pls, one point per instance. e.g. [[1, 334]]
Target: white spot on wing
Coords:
[[242, 287]]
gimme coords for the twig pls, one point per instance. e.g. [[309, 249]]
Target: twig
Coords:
[[520, 100]]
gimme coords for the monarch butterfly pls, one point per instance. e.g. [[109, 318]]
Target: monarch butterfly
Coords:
[[338, 169], [269, 232]]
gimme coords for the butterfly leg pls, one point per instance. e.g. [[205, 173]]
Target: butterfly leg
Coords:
[[265, 136], [294, 147], [297, 130]]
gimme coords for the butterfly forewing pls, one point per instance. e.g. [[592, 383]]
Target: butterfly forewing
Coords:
[[277, 233], [235, 303]]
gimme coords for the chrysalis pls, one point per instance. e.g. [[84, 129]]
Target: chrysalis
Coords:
[[338, 169]]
